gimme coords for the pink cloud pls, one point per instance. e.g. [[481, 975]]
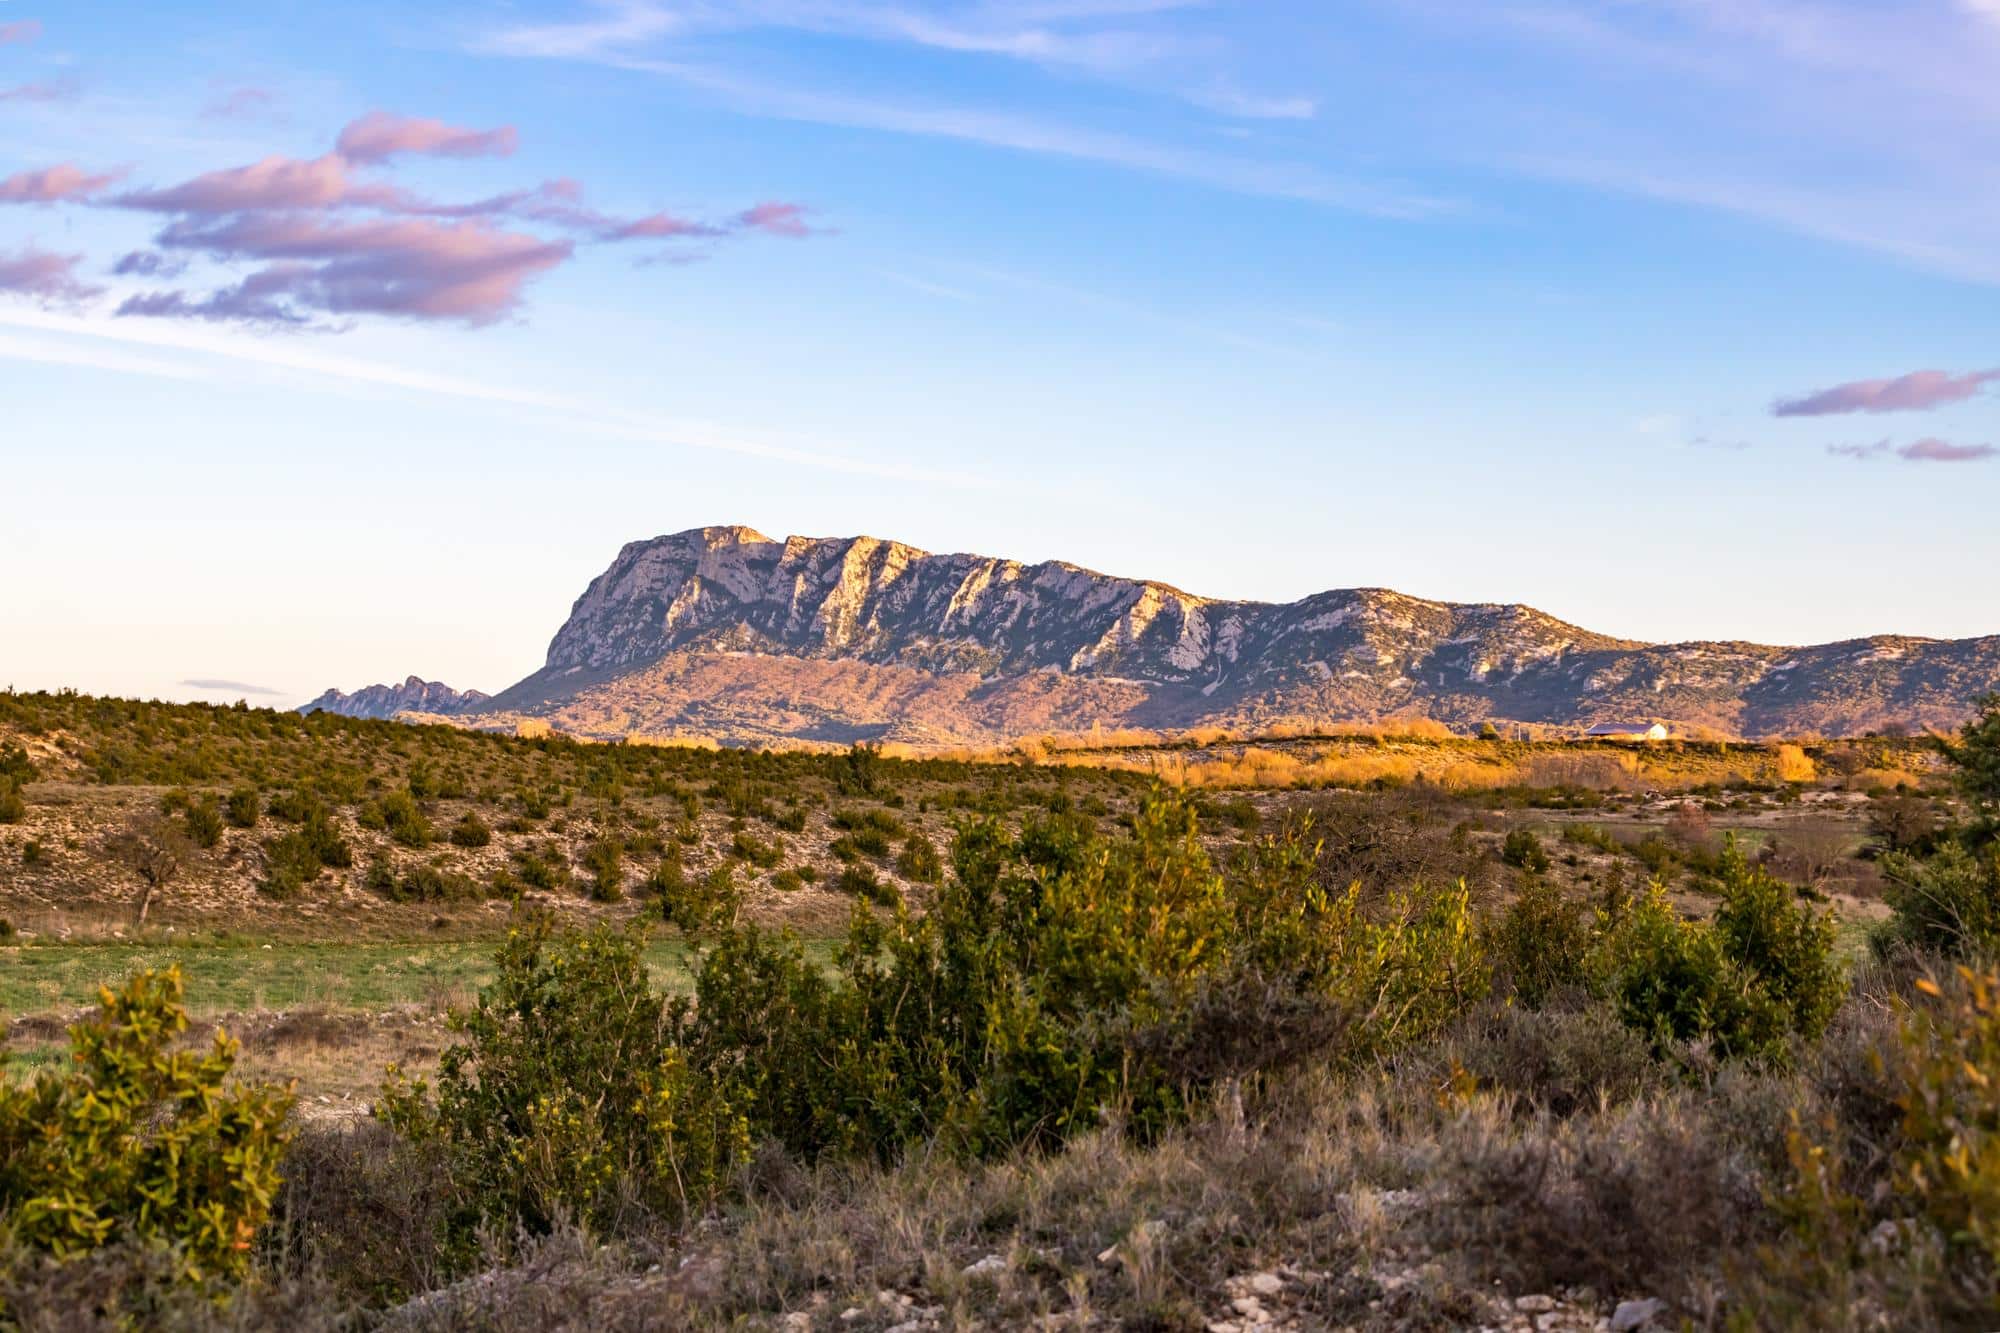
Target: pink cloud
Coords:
[[467, 271], [659, 227], [1916, 392], [380, 135], [22, 31], [322, 241], [1943, 451], [1931, 450], [275, 182], [776, 218], [52, 185], [45, 276]]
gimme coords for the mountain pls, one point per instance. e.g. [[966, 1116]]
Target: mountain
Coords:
[[414, 695], [728, 633]]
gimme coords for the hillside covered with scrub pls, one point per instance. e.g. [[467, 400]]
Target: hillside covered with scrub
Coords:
[[641, 1037]]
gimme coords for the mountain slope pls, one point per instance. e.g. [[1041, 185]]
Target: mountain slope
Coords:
[[414, 695], [725, 632]]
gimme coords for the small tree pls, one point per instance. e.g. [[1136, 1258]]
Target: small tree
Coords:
[[1976, 756], [153, 848]]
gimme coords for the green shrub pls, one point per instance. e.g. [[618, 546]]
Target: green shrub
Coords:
[[140, 1141], [547, 873], [604, 858], [1674, 982], [787, 881], [294, 859], [1782, 944], [564, 1099], [433, 884], [1545, 944], [1762, 971], [397, 812], [701, 907], [854, 820], [470, 831], [241, 808], [919, 859], [860, 882], [1948, 902], [1523, 850], [201, 819], [13, 807], [1590, 835], [746, 847]]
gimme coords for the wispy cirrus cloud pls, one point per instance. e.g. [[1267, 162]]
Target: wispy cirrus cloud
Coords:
[[1091, 36], [1918, 391], [20, 32], [1929, 450]]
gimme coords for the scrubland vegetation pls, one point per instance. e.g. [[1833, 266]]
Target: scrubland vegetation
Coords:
[[1083, 1048]]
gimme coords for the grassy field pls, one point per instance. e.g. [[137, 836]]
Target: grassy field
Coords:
[[236, 976]]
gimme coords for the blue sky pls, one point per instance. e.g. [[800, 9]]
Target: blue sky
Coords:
[[425, 310]]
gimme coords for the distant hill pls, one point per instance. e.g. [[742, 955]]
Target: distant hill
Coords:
[[412, 696], [727, 633]]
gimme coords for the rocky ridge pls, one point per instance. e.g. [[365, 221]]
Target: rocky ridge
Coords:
[[732, 634], [414, 695]]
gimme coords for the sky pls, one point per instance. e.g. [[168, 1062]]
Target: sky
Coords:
[[344, 342]]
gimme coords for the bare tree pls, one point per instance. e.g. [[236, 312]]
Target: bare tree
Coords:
[[1811, 851], [154, 849]]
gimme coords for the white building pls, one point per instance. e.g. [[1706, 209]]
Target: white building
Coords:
[[1628, 731]]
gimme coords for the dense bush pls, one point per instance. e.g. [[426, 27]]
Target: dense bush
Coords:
[[565, 1098], [295, 858], [470, 831], [604, 858], [919, 860], [1545, 943], [1523, 850], [138, 1141], [13, 807], [200, 816], [242, 807], [399, 815], [1949, 901]]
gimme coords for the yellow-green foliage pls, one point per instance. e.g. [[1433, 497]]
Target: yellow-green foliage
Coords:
[[564, 1098], [1948, 1081], [138, 1141]]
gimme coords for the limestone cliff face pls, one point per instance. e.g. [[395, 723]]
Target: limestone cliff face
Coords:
[[970, 647]]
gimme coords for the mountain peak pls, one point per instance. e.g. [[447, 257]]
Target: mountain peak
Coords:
[[726, 631]]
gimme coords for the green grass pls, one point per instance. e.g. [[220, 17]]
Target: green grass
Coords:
[[238, 975]]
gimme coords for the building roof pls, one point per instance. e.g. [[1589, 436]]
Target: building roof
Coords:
[[1621, 728]]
